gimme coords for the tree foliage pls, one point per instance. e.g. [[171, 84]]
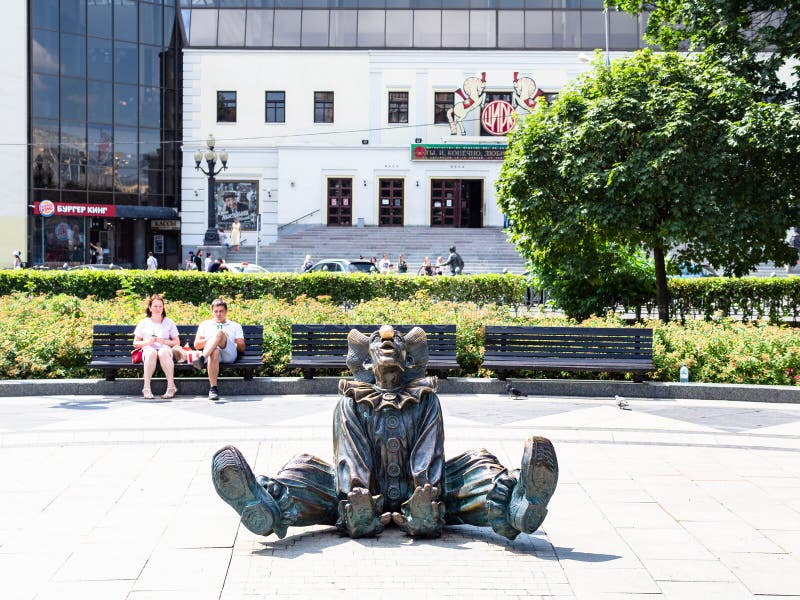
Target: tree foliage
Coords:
[[754, 38], [660, 152]]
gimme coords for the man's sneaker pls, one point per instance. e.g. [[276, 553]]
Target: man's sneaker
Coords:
[[235, 483], [213, 393], [199, 363], [537, 482]]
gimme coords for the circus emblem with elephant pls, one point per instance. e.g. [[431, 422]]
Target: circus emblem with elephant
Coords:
[[472, 95]]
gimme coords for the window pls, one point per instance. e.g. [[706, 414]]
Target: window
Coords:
[[398, 107], [275, 103], [323, 107], [226, 107], [442, 102]]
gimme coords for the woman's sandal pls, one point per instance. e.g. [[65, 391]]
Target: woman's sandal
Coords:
[[170, 393], [148, 395]]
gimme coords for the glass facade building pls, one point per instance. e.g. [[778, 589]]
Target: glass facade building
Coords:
[[104, 130], [404, 24]]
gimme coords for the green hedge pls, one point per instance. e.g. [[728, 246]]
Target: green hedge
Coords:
[[199, 288], [51, 336]]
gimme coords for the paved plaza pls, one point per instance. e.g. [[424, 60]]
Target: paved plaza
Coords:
[[111, 498]]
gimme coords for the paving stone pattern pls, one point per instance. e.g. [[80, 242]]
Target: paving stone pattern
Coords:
[[111, 498]]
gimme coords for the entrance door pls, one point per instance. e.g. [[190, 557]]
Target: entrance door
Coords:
[[390, 202], [340, 201], [456, 203]]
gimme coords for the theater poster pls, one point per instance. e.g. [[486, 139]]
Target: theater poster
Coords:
[[237, 199]]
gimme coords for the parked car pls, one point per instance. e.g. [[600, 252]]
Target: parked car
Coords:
[[342, 265], [245, 267], [110, 267], [693, 270]]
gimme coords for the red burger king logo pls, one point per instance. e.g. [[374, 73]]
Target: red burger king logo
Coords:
[[47, 208]]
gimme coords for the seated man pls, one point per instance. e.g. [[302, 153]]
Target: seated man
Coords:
[[220, 340]]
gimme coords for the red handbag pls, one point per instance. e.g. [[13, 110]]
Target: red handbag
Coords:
[[136, 355]]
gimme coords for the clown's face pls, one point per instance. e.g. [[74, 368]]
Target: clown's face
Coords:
[[387, 349]]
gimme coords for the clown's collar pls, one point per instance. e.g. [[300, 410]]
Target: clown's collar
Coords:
[[378, 398]]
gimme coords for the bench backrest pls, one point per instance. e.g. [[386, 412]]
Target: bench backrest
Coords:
[[116, 341], [331, 340], [570, 342]]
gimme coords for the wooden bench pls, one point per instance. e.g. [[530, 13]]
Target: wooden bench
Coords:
[[325, 346], [112, 345], [592, 349]]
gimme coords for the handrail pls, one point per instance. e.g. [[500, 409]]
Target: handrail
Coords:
[[297, 219]]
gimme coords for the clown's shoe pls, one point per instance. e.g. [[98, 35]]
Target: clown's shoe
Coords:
[[537, 482]]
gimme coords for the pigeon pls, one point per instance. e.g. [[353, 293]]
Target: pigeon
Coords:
[[514, 392], [622, 403]]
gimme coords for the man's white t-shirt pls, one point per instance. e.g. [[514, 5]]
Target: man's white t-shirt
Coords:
[[207, 263], [152, 263], [233, 331]]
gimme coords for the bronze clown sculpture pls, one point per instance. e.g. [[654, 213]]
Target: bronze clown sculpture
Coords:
[[389, 461]]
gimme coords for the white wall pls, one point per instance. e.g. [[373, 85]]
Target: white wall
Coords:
[[292, 160], [13, 132]]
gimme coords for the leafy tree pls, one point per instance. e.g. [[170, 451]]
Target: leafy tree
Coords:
[[755, 38], [662, 152]]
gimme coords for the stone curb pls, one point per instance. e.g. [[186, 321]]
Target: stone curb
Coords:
[[272, 386]]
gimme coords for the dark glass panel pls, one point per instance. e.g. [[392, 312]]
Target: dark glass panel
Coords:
[[315, 28], [44, 51], [204, 28], [566, 3], [538, 3], [259, 28], [150, 148], [344, 24], [624, 31], [73, 55], [128, 199], [287, 28], [511, 29], [151, 24], [101, 102], [43, 15], [150, 65], [171, 110], [428, 4], [538, 29], [73, 156], [232, 3], [99, 198], [592, 30], [482, 29], [73, 16], [566, 29], [45, 96], [99, 18], [455, 28], [101, 158], [74, 197], [150, 107], [169, 24], [101, 59], [511, 3], [289, 3], [73, 99], [260, 4], [231, 28], [399, 28], [370, 3], [125, 18], [126, 62], [126, 104], [596, 4], [427, 28], [371, 27], [44, 153]]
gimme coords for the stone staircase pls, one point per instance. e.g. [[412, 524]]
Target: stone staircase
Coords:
[[484, 250]]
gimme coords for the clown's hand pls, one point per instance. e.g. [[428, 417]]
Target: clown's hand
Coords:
[[360, 514], [422, 515]]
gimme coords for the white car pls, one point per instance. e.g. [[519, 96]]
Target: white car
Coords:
[[245, 267]]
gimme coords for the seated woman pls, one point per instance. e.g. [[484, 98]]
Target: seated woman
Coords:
[[426, 268], [157, 336]]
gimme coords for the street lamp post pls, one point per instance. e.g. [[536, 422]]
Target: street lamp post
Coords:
[[211, 237], [605, 24]]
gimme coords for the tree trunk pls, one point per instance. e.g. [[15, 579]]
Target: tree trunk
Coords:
[[662, 291]]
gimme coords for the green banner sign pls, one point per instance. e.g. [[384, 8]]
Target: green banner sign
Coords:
[[458, 152]]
